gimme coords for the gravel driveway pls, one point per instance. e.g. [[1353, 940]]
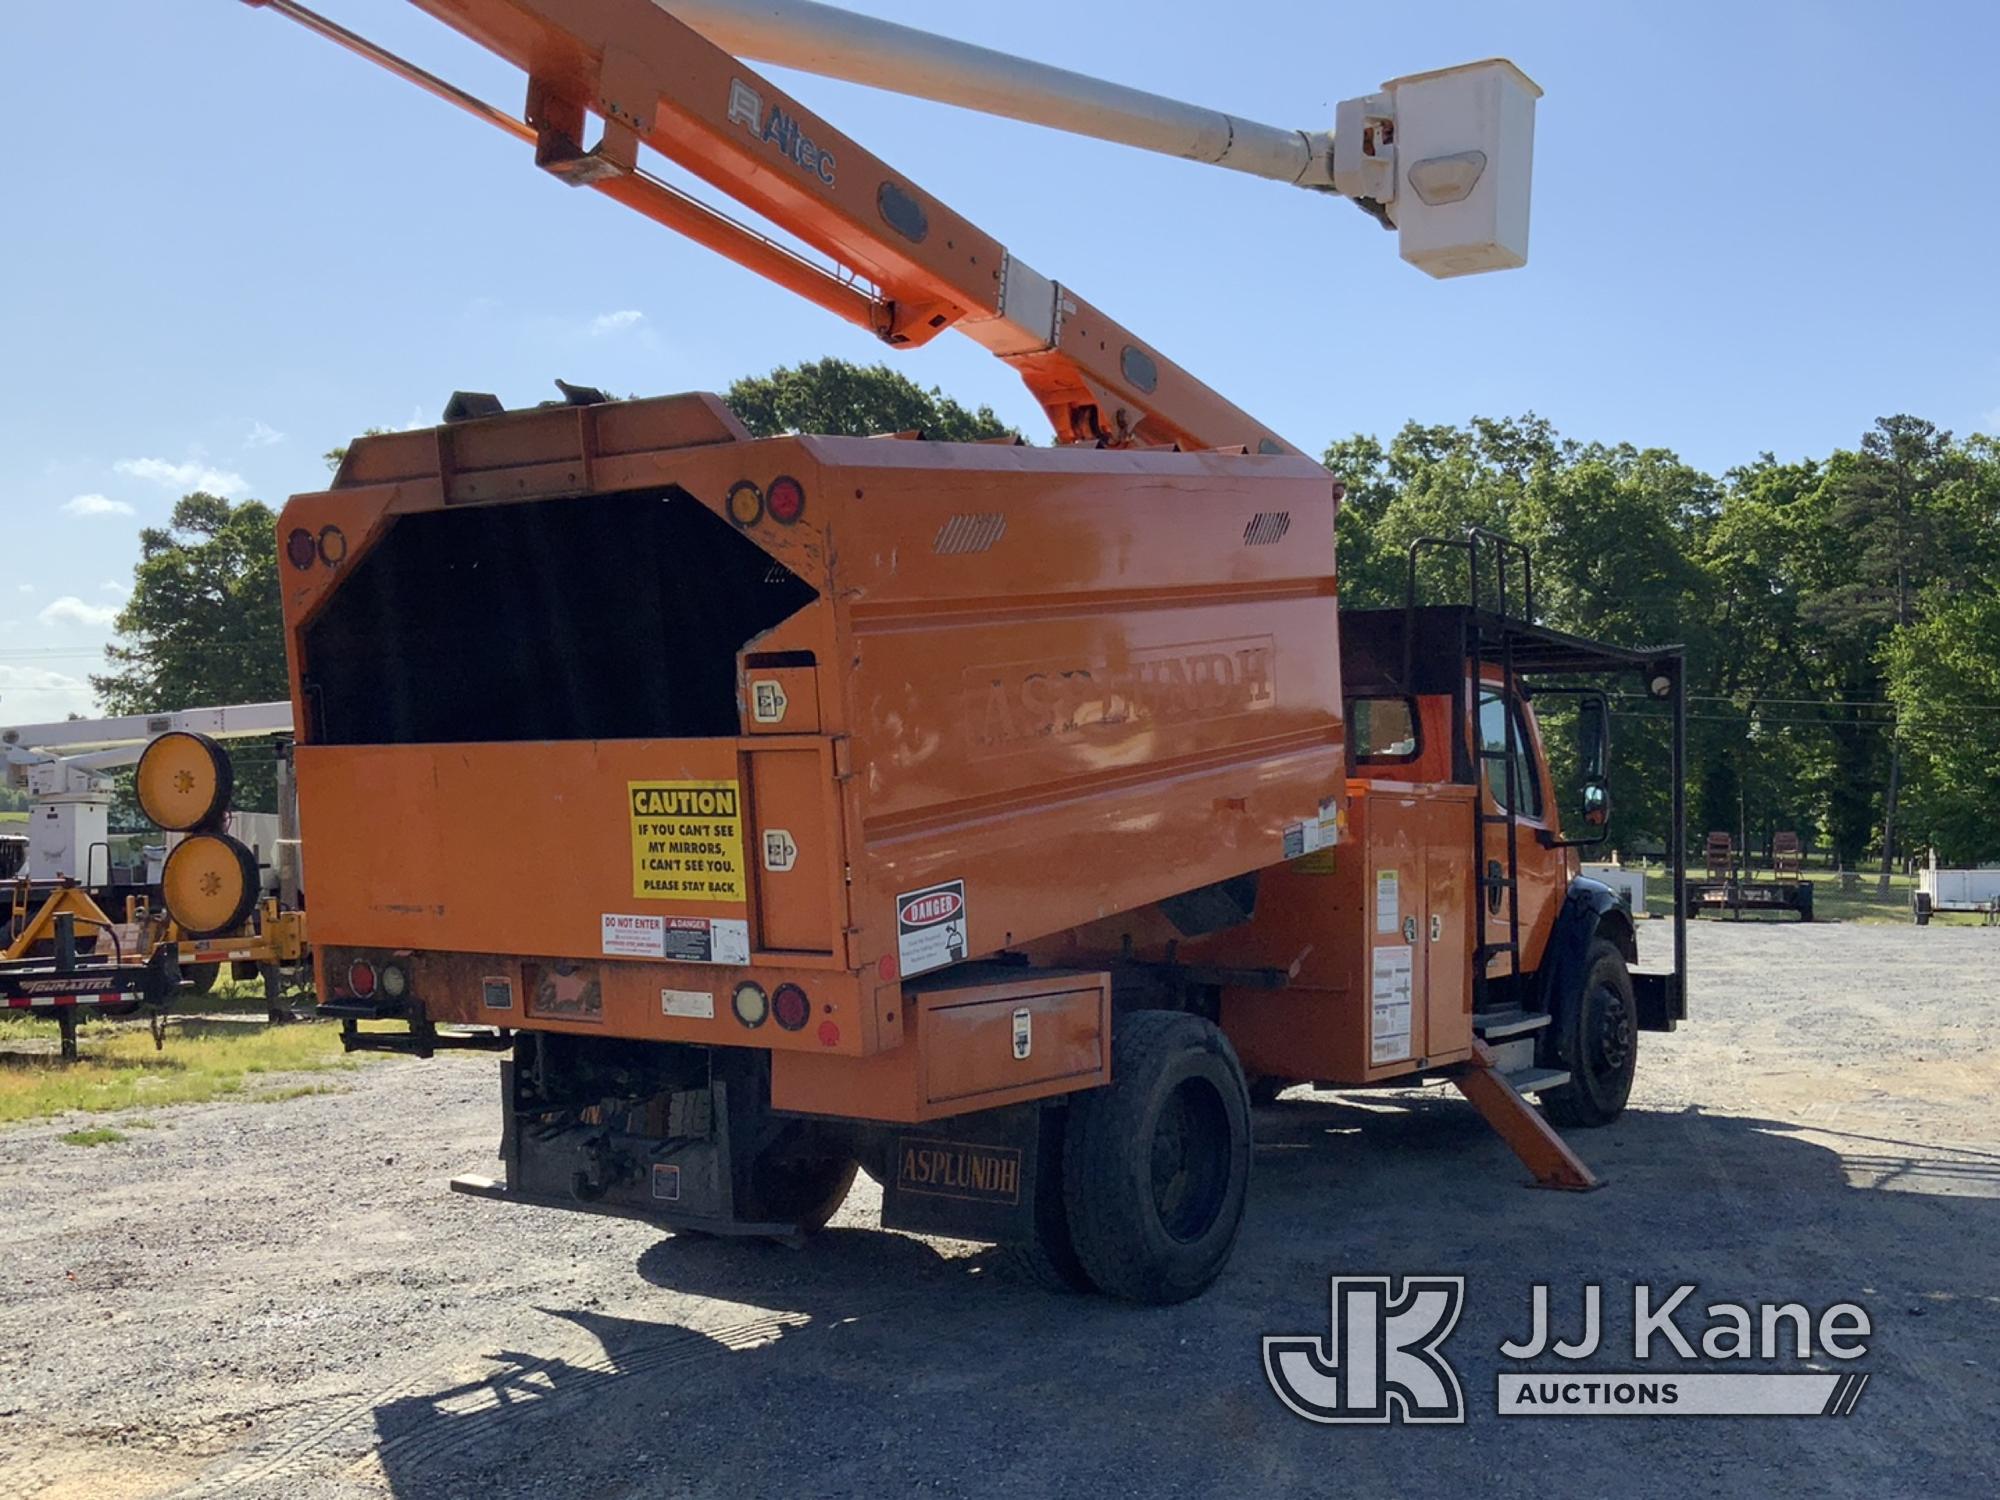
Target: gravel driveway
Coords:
[[283, 1300]]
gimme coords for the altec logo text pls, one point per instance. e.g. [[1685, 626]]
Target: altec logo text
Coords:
[[1384, 1361], [778, 130]]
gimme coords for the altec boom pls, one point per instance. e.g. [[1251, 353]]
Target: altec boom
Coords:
[[1001, 819]]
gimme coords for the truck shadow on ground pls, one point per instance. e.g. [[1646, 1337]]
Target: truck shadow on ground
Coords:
[[872, 1353]]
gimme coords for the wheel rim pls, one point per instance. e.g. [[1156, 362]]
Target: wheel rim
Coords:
[[1190, 1160], [1607, 1037]]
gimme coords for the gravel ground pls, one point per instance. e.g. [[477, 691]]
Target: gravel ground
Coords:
[[282, 1300]]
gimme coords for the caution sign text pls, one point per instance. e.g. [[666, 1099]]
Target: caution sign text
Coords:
[[687, 840]]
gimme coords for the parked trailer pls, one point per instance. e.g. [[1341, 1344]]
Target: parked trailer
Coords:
[[1976, 890], [992, 818]]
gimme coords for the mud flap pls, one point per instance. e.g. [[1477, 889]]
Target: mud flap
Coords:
[[972, 1177]]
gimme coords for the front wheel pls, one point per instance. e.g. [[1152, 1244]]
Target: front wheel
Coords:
[[1156, 1166], [1596, 1039]]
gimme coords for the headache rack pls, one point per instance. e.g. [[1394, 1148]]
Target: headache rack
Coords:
[[1423, 648]]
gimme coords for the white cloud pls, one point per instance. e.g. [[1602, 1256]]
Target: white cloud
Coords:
[[71, 610], [35, 695], [113, 586], [1989, 421], [263, 435], [616, 322], [192, 475], [97, 505], [26, 588]]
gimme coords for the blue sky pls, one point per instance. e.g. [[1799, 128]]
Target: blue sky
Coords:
[[227, 246]]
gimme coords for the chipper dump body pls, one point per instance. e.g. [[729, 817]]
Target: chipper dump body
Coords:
[[971, 813]]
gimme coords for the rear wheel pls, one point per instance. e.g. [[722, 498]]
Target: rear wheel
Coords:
[[199, 979], [1596, 1039], [802, 1192], [1156, 1166], [1049, 1259]]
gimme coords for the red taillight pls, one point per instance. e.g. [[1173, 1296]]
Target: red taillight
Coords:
[[785, 500], [361, 979], [790, 1008], [301, 548]]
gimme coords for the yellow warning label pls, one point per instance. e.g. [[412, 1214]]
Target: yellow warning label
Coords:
[[687, 840]]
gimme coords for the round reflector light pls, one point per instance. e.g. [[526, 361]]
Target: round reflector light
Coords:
[[785, 499], [361, 979], [332, 546], [395, 981], [746, 503], [791, 1007], [301, 549], [751, 1004]]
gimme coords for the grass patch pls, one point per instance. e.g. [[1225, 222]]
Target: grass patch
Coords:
[[97, 1135], [203, 1060]]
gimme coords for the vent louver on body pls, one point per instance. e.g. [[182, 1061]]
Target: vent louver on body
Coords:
[[972, 532], [1266, 527]]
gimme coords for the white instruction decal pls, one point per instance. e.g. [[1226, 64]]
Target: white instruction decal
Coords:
[[693, 1005], [1388, 902], [1024, 1034], [635, 937], [1389, 1017], [930, 927]]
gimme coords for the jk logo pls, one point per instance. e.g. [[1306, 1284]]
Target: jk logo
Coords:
[[1381, 1361]]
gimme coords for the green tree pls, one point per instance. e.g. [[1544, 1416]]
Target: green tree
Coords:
[[835, 396], [1944, 675]]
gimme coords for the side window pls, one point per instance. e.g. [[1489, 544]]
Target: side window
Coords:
[[1382, 731], [1493, 714]]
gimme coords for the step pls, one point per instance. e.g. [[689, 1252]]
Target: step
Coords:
[[1494, 1024], [1534, 1080]]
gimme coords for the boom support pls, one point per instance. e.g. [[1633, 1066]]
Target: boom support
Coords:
[[652, 79]]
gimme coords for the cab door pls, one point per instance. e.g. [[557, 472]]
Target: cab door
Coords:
[[1512, 776]]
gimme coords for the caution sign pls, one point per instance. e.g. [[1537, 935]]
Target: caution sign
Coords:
[[687, 840]]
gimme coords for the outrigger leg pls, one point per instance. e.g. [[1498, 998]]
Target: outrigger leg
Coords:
[[1521, 1126]]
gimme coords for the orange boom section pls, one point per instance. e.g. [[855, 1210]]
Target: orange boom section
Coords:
[[609, 711]]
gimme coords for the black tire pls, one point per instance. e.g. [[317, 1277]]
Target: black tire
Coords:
[[1805, 903], [1049, 1259], [1156, 1166], [1595, 1037], [803, 1193], [199, 979]]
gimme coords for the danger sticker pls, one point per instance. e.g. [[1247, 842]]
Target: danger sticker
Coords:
[[930, 927], [706, 940], [687, 840], [634, 937]]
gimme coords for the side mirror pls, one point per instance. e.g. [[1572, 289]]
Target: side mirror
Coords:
[[1596, 802], [1593, 730]]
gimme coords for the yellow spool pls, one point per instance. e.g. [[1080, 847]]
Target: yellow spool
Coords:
[[209, 884], [183, 781]]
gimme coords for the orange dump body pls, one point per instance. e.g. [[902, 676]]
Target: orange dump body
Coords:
[[607, 712]]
